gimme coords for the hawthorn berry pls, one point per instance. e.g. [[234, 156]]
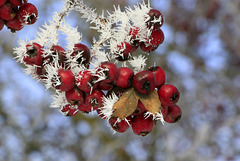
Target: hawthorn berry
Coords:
[[28, 14], [121, 126], [94, 99], [146, 48], [84, 108], [14, 24], [124, 77], [33, 55], [2, 2], [133, 32], [18, 2], [124, 52], [69, 110], [8, 11], [164, 111], [85, 54], [140, 109], [75, 96], [58, 53], [156, 38], [168, 94], [159, 75], [86, 81], [110, 71], [155, 15], [105, 86], [174, 114], [141, 125], [144, 82], [1, 24], [66, 79]]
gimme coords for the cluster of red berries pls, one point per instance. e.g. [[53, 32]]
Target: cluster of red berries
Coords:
[[84, 89], [17, 13], [150, 44]]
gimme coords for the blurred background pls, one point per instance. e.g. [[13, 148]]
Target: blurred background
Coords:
[[201, 56]]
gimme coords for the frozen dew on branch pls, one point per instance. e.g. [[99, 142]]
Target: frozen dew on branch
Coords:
[[138, 63]]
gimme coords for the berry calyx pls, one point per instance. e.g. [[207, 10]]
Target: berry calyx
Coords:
[[124, 77], [174, 114], [84, 58], [66, 78], [110, 71], [144, 82], [159, 75], [120, 126], [156, 18], [28, 14], [168, 94], [75, 96], [8, 11], [33, 56], [141, 125]]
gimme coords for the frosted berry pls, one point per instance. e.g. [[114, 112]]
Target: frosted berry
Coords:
[[18, 2], [94, 99], [168, 94], [28, 14], [124, 52], [155, 15], [174, 114], [121, 126], [2, 2], [1, 24], [159, 75], [70, 110], [57, 53], [156, 38], [110, 71], [134, 32], [144, 82], [75, 96], [147, 48], [14, 24], [141, 125], [124, 77], [66, 78], [85, 54], [86, 81], [8, 11], [33, 55]]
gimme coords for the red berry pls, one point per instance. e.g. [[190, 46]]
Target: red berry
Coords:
[[124, 77], [124, 51], [155, 15], [18, 2], [2, 2], [75, 96], [144, 82], [141, 125], [85, 81], [164, 111], [94, 99], [67, 80], [28, 14], [85, 54], [70, 110], [58, 53], [14, 24], [159, 75], [168, 94], [156, 38], [110, 71], [174, 114], [8, 11], [146, 48], [121, 126], [140, 109], [1, 24], [33, 54], [84, 108], [105, 86]]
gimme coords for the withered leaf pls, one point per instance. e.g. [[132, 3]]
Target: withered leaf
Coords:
[[126, 105], [150, 101]]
